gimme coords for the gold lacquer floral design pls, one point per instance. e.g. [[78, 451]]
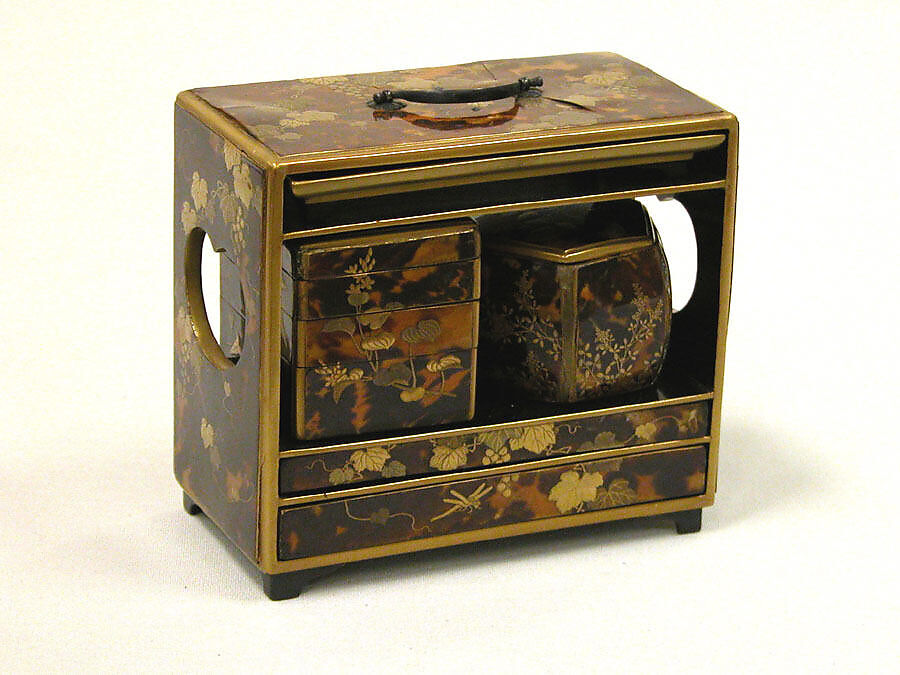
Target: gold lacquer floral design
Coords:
[[605, 360], [523, 323], [362, 464], [366, 330]]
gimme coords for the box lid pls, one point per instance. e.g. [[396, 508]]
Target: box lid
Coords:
[[571, 234], [331, 114], [412, 247]]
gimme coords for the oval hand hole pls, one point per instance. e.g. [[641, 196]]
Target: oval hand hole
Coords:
[[218, 324], [676, 231]]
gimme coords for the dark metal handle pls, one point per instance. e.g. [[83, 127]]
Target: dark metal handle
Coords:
[[388, 99]]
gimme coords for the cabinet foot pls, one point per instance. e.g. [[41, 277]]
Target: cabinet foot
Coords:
[[291, 584], [190, 506], [688, 521]]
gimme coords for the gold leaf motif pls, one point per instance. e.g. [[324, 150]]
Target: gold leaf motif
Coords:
[[393, 469], [426, 330], [344, 324], [604, 440], [619, 493], [199, 191], [231, 210], [443, 363], [378, 341], [646, 431], [370, 459], [573, 490], [341, 475], [374, 321], [493, 439], [232, 156], [535, 438], [207, 433], [358, 298], [188, 217], [446, 458], [243, 187], [412, 394], [396, 373]]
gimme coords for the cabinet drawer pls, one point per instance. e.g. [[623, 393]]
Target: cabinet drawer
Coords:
[[364, 464], [491, 501]]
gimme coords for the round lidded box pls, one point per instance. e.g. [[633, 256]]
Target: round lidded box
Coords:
[[576, 300]]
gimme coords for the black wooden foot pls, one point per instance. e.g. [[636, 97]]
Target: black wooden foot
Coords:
[[190, 506], [688, 521], [292, 584]]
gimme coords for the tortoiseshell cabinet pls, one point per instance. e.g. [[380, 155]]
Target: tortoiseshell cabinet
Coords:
[[339, 413]]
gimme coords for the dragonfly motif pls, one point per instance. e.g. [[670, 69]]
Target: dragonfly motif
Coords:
[[462, 503]]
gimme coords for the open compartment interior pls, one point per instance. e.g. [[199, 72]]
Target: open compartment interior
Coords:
[[696, 182]]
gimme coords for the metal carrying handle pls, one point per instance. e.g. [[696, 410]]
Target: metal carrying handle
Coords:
[[388, 99]]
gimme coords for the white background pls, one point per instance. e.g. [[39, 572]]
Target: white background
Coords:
[[795, 568]]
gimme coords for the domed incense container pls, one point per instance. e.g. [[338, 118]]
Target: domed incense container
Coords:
[[577, 302]]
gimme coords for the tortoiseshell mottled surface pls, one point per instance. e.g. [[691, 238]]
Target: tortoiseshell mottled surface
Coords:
[[383, 462], [391, 394], [624, 318], [330, 113], [217, 411], [467, 505], [450, 241], [406, 287]]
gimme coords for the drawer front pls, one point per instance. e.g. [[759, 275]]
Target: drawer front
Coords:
[[506, 499], [386, 461], [391, 393], [382, 291], [378, 338]]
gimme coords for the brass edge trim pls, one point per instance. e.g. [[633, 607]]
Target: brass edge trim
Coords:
[[516, 529], [476, 282], [725, 280], [405, 179], [411, 438], [270, 372], [317, 248], [534, 139], [226, 127], [568, 280], [403, 485], [501, 208], [300, 400], [473, 378], [569, 256], [415, 185]]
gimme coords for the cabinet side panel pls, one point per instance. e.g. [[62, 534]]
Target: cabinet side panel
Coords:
[[218, 190]]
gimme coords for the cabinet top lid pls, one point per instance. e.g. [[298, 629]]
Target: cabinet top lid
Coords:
[[335, 115]]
